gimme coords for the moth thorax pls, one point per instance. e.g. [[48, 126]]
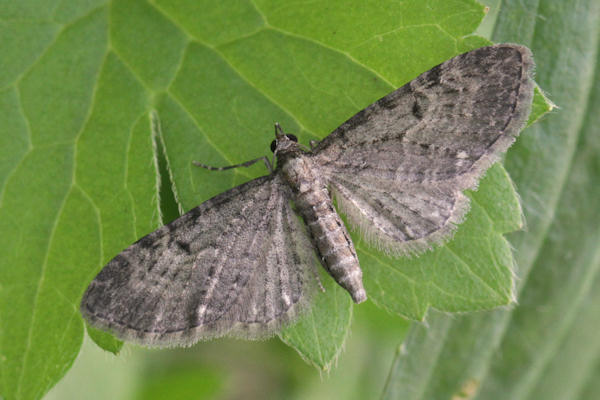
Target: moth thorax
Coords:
[[298, 172]]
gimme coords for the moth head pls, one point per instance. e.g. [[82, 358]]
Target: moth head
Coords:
[[283, 141]]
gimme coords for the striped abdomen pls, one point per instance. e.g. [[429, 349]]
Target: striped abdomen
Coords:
[[327, 229]]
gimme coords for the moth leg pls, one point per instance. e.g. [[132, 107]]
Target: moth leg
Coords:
[[244, 164]]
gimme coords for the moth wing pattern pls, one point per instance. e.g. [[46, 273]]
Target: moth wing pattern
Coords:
[[214, 271], [397, 168]]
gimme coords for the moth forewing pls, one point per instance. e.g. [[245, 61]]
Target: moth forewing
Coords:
[[398, 167]]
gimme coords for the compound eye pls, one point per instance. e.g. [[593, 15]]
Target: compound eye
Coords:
[[273, 146]]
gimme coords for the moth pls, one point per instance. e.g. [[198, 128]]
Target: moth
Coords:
[[244, 263]]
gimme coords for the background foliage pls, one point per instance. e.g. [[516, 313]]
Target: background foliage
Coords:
[[98, 96]]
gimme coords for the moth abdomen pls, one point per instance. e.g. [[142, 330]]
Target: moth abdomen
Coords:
[[332, 240]]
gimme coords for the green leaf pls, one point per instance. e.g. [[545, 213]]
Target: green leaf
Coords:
[[540, 106], [471, 272], [545, 347], [415, 369], [575, 354], [105, 340], [318, 334], [48, 225], [89, 88]]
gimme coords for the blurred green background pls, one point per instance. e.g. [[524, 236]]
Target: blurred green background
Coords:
[[237, 369]]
